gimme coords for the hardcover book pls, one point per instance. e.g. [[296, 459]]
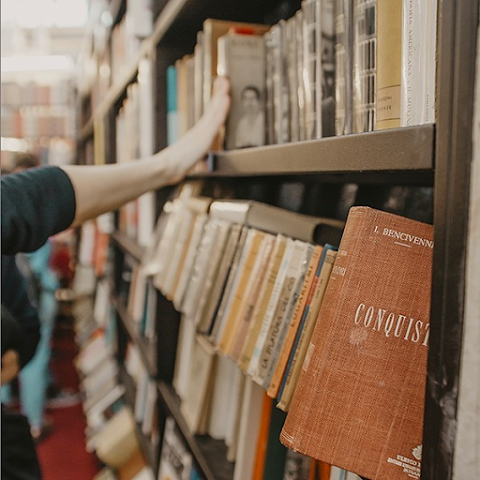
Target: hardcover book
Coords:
[[242, 59], [363, 378]]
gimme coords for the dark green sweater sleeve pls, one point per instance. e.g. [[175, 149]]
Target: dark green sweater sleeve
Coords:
[[36, 204]]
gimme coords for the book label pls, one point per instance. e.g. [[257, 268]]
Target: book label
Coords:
[[388, 103]]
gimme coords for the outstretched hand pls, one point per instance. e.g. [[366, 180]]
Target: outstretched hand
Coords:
[[193, 146]]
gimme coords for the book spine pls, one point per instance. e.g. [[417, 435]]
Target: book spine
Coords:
[[221, 279], [291, 278], [389, 65], [312, 67], [288, 316], [364, 65], [277, 377], [305, 332], [430, 61], [326, 81], [343, 67], [253, 247], [217, 330], [299, 19], [414, 37], [270, 312], [253, 295], [262, 303]]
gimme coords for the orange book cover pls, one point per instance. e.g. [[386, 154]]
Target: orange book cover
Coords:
[[363, 379], [262, 440]]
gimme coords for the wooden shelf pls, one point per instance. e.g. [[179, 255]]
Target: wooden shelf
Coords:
[[149, 450], [128, 245], [210, 455], [147, 349], [406, 150]]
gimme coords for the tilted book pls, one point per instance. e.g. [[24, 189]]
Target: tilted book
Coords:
[[363, 378], [276, 220]]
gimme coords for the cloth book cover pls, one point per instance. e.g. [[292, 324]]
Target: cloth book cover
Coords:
[[359, 402]]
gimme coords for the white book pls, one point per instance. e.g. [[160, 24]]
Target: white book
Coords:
[[414, 40], [158, 264], [195, 407], [200, 267], [272, 305], [279, 326], [248, 431], [223, 231], [233, 426], [430, 61], [181, 243], [183, 360], [184, 278], [222, 398], [230, 295]]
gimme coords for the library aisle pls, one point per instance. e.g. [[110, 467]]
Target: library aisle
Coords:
[[295, 297], [64, 449]]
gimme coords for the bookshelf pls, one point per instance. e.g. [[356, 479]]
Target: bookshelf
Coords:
[[435, 156]]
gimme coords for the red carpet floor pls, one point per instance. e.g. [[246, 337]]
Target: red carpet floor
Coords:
[[62, 454]]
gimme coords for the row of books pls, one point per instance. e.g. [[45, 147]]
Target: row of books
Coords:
[[136, 24], [256, 298], [111, 425], [334, 68], [134, 141]]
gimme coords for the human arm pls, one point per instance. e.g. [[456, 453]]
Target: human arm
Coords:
[[40, 202], [99, 189]]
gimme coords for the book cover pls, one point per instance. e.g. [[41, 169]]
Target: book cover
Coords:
[[365, 370], [213, 29], [242, 59], [389, 64]]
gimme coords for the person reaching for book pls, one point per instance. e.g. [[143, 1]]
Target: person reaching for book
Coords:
[[40, 202]]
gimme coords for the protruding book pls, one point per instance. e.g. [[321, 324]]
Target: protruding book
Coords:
[[363, 378]]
